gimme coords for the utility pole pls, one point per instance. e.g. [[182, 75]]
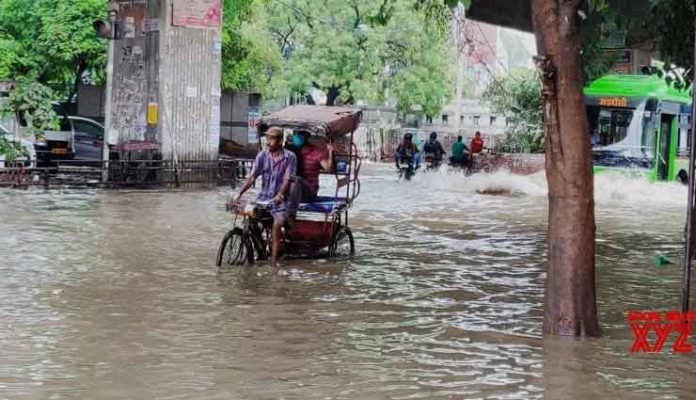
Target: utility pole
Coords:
[[690, 212], [108, 31], [458, 26]]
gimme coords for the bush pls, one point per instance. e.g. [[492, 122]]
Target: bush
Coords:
[[518, 97], [10, 149], [30, 103]]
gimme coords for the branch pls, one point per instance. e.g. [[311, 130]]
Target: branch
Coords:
[[284, 37], [358, 17]]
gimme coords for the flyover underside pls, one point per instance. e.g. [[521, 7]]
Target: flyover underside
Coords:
[[517, 14]]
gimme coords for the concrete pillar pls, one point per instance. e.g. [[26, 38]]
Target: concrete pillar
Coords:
[[166, 82], [189, 72]]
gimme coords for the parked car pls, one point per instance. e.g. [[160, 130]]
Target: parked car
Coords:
[[57, 145], [29, 153], [89, 138], [79, 139]]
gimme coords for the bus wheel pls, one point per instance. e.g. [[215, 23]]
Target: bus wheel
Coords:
[[683, 177]]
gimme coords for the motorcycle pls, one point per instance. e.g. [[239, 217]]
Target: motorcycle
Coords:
[[407, 169], [431, 163], [461, 165]]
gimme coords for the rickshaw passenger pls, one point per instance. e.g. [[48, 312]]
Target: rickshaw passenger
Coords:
[[311, 159], [277, 167]]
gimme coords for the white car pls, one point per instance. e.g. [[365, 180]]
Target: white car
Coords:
[[27, 145], [79, 139]]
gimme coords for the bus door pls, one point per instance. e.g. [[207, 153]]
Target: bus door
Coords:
[[665, 152]]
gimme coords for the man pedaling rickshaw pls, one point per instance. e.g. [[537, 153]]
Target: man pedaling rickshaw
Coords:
[[277, 167]]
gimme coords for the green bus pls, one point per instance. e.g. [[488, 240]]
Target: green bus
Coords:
[[639, 125]]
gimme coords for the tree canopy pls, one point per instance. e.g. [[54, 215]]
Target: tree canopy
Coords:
[[518, 96], [249, 56], [51, 42], [393, 51], [376, 51]]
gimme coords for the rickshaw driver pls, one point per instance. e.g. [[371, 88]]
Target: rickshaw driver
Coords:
[[310, 160], [277, 168]]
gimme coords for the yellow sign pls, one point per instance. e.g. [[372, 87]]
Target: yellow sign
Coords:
[[613, 102], [152, 113]]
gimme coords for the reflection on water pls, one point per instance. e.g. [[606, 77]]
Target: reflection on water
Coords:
[[112, 295]]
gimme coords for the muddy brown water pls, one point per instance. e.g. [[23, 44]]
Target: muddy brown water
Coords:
[[114, 295]]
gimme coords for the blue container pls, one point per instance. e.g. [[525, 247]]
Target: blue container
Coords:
[[341, 167]]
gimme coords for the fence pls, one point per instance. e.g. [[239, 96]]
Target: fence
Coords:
[[129, 173]]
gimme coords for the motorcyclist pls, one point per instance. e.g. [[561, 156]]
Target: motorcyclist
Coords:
[[433, 148], [460, 153], [407, 151]]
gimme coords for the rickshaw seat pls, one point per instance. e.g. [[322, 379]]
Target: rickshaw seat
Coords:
[[324, 204]]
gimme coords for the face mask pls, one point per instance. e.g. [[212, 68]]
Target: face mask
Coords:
[[298, 140]]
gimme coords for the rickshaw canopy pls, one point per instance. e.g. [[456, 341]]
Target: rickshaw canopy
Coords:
[[318, 120]]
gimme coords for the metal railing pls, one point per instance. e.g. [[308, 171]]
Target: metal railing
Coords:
[[129, 173]]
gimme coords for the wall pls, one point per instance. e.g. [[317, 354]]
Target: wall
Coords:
[[522, 164], [475, 114], [90, 101], [235, 116]]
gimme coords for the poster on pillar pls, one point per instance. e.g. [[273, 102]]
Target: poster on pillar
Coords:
[[197, 13]]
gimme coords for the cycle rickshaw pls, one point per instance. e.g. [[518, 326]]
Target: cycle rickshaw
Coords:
[[321, 227]]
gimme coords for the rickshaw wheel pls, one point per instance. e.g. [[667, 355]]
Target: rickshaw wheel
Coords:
[[343, 243], [235, 249]]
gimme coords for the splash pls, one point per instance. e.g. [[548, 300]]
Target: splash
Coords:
[[613, 188], [610, 188]]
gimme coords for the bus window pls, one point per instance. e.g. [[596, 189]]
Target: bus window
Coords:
[[684, 136], [611, 125]]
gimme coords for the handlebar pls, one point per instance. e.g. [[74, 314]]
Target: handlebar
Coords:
[[243, 208]]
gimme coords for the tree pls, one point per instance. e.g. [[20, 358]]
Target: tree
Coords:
[[570, 300], [31, 103], [673, 24], [360, 50], [249, 55], [517, 95], [51, 42]]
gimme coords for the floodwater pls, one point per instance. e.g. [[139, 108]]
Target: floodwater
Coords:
[[114, 295]]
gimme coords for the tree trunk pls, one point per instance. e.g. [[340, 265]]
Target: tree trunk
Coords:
[[570, 303], [80, 68], [332, 95]]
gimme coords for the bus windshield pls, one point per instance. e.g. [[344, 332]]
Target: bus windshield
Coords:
[[608, 125], [621, 136]]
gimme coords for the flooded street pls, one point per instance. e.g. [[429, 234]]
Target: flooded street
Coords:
[[114, 295]]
